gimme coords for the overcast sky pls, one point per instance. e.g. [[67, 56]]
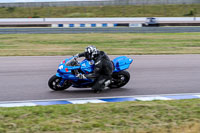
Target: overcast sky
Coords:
[[13, 1]]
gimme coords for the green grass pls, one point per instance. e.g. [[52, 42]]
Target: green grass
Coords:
[[103, 11], [134, 117], [112, 43]]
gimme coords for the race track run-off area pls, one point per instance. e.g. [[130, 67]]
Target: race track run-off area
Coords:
[[25, 77]]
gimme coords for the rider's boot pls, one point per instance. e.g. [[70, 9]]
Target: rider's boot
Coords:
[[107, 83]]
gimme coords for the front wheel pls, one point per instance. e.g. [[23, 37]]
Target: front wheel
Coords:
[[54, 83], [119, 79]]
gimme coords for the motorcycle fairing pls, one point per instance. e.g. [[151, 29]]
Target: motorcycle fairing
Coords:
[[122, 63], [87, 66], [65, 71]]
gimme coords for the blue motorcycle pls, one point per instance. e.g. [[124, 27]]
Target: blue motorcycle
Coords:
[[69, 68]]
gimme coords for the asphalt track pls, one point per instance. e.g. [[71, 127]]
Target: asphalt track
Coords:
[[25, 78], [98, 30]]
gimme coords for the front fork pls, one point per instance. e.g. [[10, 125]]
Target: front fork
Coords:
[[66, 77], [62, 82]]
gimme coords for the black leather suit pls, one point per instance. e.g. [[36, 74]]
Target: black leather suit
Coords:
[[102, 71]]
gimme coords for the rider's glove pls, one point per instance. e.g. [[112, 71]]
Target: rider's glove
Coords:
[[81, 76]]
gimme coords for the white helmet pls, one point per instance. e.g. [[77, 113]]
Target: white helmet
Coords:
[[90, 52]]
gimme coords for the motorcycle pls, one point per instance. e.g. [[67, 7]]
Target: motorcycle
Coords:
[[69, 68]]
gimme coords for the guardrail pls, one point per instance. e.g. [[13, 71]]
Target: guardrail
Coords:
[[95, 22], [136, 19]]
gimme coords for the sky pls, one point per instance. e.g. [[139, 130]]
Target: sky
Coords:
[[13, 1]]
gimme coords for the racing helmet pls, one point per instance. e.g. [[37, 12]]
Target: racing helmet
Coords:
[[90, 52]]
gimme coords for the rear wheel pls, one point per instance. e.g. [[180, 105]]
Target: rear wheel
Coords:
[[119, 79], [54, 83]]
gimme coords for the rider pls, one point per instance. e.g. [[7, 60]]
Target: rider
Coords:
[[102, 70]]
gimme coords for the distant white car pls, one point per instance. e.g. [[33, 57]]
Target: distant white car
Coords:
[[151, 22]]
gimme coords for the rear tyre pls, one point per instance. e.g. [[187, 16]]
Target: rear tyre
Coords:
[[119, 79], [54, 83]]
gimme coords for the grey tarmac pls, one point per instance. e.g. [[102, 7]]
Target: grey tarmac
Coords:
[[99, 30], [26, 77]]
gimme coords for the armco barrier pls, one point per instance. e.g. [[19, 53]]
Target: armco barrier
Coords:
[[100, 20], [97, 22]]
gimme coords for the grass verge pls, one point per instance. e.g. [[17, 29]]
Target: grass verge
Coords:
[[134, 117], [182, 10], [112, 43]]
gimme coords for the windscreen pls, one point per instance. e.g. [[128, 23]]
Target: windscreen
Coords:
[[72, 62]]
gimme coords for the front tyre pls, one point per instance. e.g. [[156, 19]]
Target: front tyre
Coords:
[[119, 79], [54, 83]]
